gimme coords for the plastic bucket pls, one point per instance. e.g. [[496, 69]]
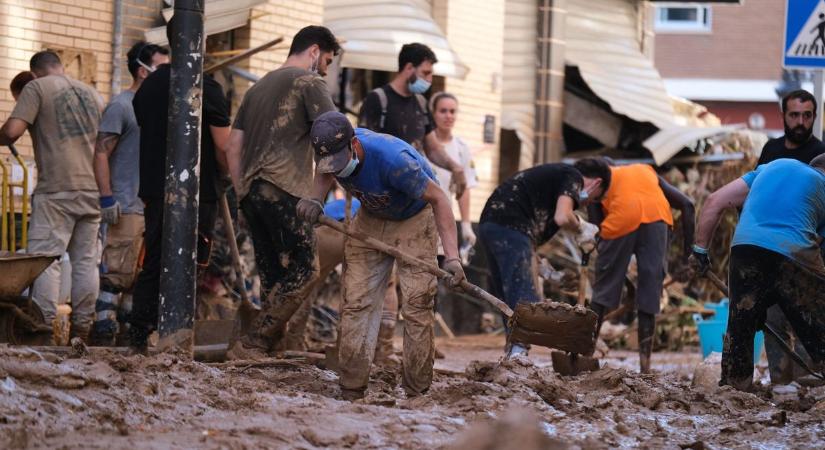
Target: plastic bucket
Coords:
[[712, 334]]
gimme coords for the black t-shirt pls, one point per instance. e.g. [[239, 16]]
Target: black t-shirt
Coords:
[[526, 202], [406, 118], [151, 105], [775, 149]]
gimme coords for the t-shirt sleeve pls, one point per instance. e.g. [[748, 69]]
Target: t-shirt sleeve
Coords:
[[430, 124], [571, 183], [114, 119], [215, 106], [28, 105], [317, 99], [466, 160], [370, 115], [750, 176], [407, 175]]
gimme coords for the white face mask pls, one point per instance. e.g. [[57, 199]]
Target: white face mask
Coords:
[[349, 168], [149, 68]]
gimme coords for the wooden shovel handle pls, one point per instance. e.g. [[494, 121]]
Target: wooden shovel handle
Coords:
[[465, 285]]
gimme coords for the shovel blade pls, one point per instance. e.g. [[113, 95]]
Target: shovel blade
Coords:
[[555, 325], [573, 364]]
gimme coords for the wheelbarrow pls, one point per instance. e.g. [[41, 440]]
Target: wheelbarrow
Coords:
[[21, 321]]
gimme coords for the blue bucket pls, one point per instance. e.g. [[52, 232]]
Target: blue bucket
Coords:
[[712, 334], [720, 310]]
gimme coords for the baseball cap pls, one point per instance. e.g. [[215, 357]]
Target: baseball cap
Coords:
[[331, 134]]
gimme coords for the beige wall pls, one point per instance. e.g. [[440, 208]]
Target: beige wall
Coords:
[[28, 26], [745, 42], [477, 35]]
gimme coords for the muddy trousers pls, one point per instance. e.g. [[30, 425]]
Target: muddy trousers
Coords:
[[782, 368], [145, 297], [760, 278], [366, 274], [285, 256], [67, 222]]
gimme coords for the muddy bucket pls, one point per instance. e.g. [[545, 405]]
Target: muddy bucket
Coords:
[[20, 271], [555, 325]]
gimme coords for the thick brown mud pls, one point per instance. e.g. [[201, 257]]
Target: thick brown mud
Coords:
[[111, 401]]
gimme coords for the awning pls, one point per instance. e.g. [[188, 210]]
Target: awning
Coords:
[[373, 32], [518, 87], [669, 141], [603, 41], [219, 16]]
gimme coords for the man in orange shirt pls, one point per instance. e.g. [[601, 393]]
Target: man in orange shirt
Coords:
[[634, 218]]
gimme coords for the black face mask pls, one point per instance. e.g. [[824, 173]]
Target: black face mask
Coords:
[[799, 134]]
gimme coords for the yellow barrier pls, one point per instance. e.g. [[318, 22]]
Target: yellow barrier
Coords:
[[8, 210]]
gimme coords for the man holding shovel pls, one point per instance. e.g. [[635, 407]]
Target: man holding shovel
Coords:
[[775, 258], [403, 206]]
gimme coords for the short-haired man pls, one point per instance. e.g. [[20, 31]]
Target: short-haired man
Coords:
[[62, 115], [775, 258], [401, 204], [117, 154], [799, 143], [634, 218], [526, 211], [270, 161], [151, 105]]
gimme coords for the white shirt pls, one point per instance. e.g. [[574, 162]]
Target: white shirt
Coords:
[[458, 151]]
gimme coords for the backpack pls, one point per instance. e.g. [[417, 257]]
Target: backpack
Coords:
[[382, 99]]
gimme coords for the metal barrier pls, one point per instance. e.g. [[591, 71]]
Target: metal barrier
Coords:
[[8, 209]]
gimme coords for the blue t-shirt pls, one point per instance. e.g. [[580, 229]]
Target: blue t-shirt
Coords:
[[392, 178], [119, 118], [785, 211], [335, 208]]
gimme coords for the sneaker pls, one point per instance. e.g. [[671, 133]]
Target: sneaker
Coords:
[[352, 395], [247, 348], [515, 351]]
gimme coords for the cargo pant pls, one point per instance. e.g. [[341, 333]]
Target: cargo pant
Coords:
[[760, 278], [366, 274], [67, 222]]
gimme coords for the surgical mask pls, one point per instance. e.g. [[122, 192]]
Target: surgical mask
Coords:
[[420, 86], [146, 66], [349, 168], [583, 196]]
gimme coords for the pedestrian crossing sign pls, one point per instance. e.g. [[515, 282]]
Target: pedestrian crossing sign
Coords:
[[804, 34]]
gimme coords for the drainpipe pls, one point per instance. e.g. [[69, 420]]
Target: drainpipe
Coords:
[[117, 45]]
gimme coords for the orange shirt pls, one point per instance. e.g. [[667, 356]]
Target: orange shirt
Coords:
[[633, 198]]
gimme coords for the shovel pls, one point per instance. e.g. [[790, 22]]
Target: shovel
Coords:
[[768, 329], [548, 324], [571, 363]]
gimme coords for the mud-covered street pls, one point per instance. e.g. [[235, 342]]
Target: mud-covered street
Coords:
[[111, 401]]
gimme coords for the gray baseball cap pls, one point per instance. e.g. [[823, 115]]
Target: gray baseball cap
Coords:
[[331, 134]]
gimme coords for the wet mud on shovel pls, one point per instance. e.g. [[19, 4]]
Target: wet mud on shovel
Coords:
[[549, 324]]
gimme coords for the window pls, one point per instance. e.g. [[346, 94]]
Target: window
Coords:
[[682, 17]]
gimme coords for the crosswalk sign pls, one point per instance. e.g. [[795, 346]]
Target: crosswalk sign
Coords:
[[804, 34]]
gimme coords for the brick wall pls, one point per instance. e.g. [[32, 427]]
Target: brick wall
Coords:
[[138, 16], [477, 35], [745, 42]]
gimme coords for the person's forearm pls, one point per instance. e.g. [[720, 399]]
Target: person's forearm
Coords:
[[234, 150], [708, 220], [321, 185], [464, 206], [102, 176], [438, 155], [688, 220]]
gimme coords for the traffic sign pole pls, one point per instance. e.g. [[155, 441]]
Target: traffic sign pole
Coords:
[[819, 77]]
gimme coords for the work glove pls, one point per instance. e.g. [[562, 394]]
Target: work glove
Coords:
[[109, 210], [468, 236], [699, 261], [458, 182], [453, 266], [308, 209], [586, 239]]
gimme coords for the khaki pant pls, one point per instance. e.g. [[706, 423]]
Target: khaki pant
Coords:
[[67, 222], [366, 275], [121, 254]]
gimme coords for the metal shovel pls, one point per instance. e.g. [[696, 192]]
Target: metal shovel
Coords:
[[548, 324]]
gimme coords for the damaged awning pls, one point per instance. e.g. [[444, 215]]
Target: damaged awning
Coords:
[[669, 141], [373, 32], [219, 16]]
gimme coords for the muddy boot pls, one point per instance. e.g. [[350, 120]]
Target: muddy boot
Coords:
[[647, 326], [79, 331], [105, 327], [248, 347], [385, 351], [351, 395], [138, 340]]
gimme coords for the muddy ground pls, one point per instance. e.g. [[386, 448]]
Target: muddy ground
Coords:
[[111, 401]]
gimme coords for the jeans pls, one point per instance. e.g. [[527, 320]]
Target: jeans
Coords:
[[510, 254]]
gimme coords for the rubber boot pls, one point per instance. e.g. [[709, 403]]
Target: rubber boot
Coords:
[[139, 340], [647, 326], [104, 328], [384, 350]]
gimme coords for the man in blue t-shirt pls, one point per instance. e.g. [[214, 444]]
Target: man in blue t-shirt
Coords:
[[775, 258], [403, 206]]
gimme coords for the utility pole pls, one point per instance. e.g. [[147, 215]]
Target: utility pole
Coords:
[[180, 214]]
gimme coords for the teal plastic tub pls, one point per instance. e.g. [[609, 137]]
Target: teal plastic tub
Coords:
[[712, 331]]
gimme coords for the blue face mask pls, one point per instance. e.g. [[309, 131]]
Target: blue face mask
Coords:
[[349, 168], [583, 196], [420, 86]]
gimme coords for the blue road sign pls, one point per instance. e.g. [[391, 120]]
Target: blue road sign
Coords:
[[804, 34]]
